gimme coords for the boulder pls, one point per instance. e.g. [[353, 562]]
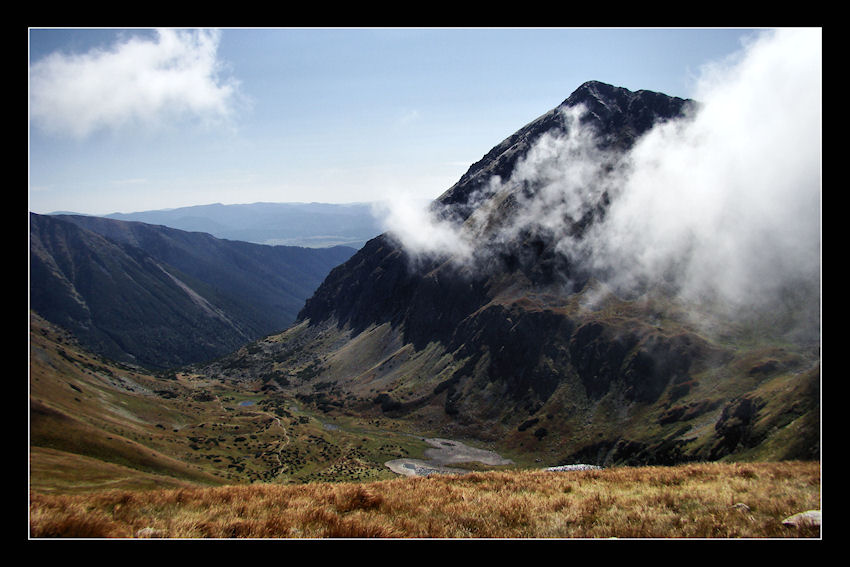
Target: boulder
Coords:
[[810, 518], [148, 533]]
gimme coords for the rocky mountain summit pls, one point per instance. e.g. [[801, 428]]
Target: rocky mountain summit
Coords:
[[620, 116], [511, 332]]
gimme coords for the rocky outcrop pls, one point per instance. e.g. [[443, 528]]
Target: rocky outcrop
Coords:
[[735, 426], [809, 518]]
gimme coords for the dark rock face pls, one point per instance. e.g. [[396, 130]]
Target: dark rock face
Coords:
[[624, 115], [644, 365], [438, 301], [618, 115], [380, 284], [597, 356], [516, 342], [519, 346], [687, 411], [735, 425]]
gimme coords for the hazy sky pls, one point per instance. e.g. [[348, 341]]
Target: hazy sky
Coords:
[[138, 119]]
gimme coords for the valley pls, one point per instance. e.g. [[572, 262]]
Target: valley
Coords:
[[158, 297], [117, 453], [97, 425]]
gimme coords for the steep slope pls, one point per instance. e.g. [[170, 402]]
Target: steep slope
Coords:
[[619, 115], [161, 297], [509, 332], [98, 424]]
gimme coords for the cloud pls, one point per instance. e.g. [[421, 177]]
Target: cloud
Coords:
[[724, 205], [728, 203], [422, 234], [136, 82]]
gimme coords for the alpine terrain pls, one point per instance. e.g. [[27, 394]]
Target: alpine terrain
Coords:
[[535, 311], [596, 291]]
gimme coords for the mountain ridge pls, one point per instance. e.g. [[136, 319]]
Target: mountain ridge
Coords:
[[163, 297], [645, 108], [517, 342], [507, 334]]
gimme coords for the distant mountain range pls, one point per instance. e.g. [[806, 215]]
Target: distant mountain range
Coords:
[[161, 297], [314, 225]]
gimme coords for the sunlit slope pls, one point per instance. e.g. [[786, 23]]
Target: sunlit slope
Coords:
[[95, 424]]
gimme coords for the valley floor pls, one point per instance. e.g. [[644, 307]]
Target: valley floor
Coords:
[[445, 452], [707, 500]]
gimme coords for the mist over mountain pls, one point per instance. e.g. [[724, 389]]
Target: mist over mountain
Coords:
[[722, 205], [630, 278]]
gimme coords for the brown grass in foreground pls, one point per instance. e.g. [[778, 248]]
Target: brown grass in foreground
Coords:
[[689, 501]]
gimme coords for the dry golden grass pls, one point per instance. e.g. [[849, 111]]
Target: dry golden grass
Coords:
[[689, 501]]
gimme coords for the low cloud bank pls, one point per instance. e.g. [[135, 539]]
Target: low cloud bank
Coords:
[[724, 205]]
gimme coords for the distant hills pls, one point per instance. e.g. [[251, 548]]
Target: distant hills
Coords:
[[161, 297], [313, 225]]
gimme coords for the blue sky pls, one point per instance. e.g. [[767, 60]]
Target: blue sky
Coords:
[[138, 119]]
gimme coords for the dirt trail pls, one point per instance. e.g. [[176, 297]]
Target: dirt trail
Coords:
[[445, 452]]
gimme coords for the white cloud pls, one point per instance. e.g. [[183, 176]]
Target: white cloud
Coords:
[[411, 222], [724, 205], [729, 202], [138, 82]]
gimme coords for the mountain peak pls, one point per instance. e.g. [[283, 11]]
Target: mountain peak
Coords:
[[595, 90], [618, 115], [623, 115], [519, 338]]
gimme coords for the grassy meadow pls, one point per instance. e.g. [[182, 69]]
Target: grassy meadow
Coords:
[[706, 500]]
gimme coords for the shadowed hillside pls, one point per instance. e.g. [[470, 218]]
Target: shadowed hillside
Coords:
[[162, 297]]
